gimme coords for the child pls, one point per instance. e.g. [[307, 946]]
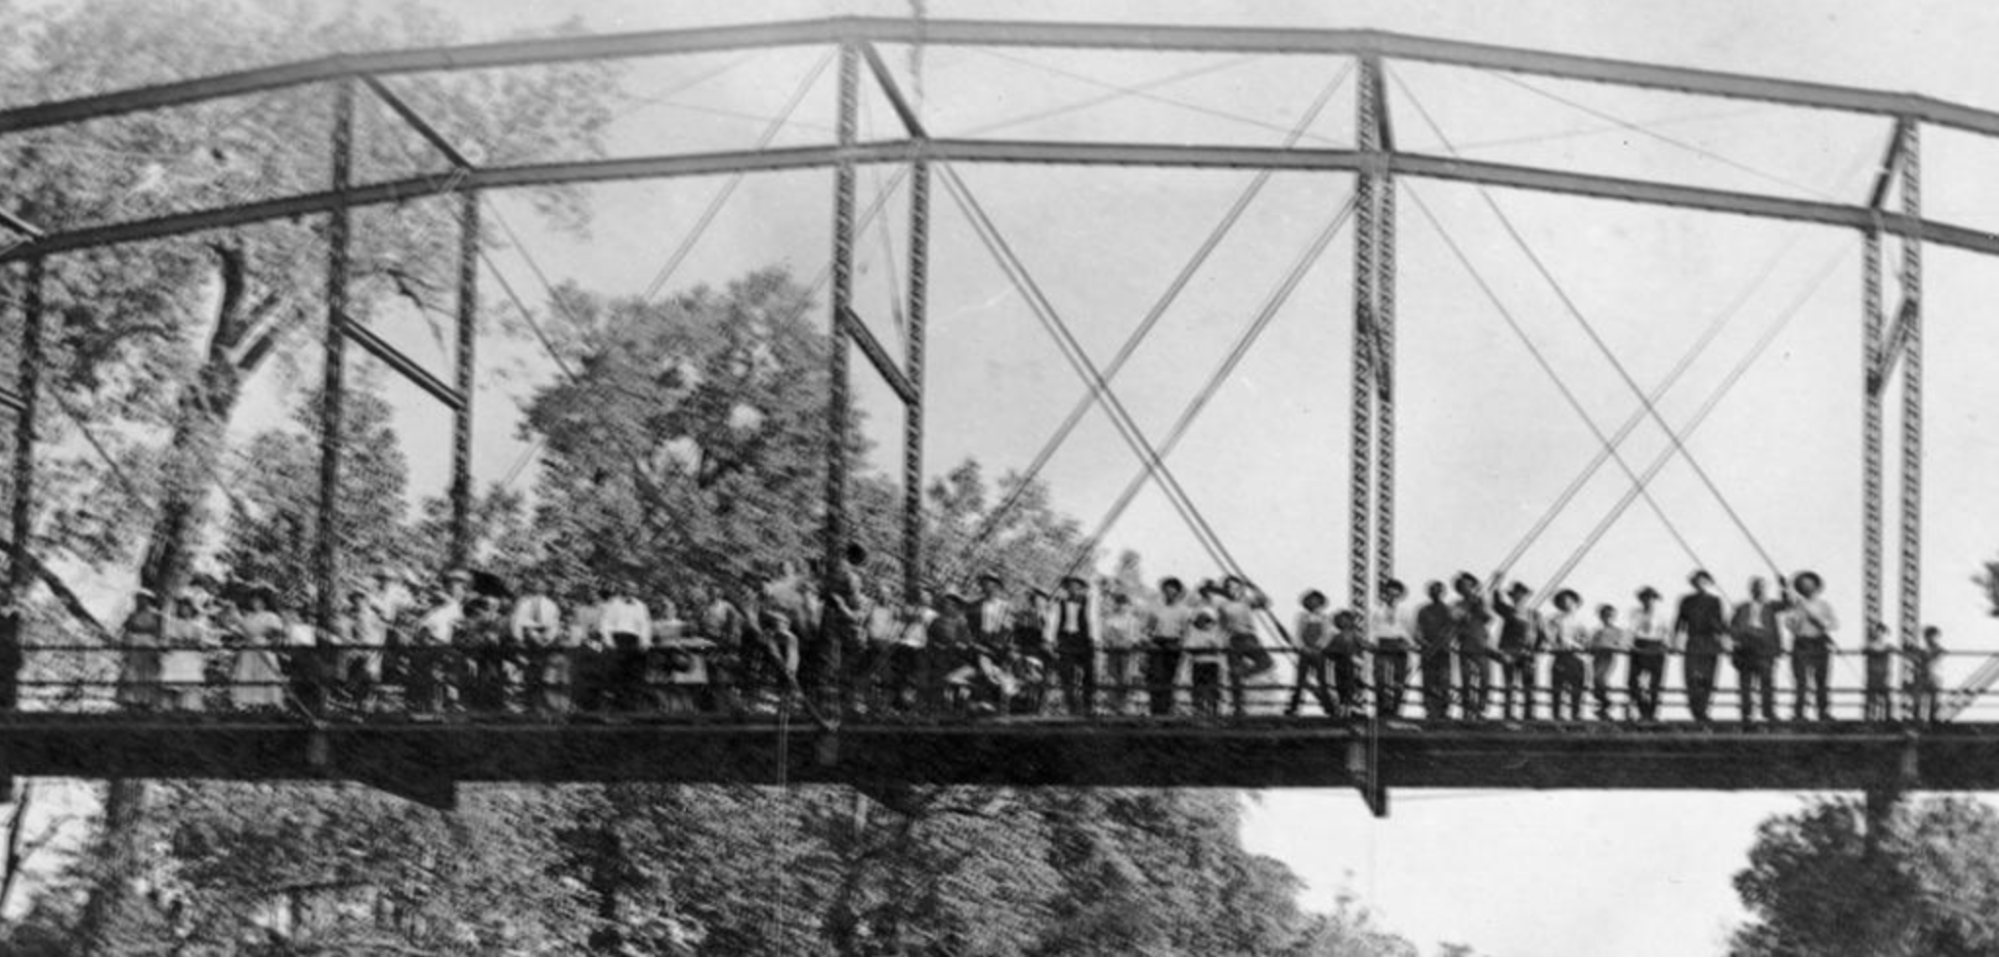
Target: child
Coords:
[[1567, 635], [1605, 645], [1314, 630], [1923, 658], [1880, 661]]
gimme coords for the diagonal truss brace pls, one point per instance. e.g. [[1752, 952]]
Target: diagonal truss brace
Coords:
[[1892, 343], [365, 338], [878, 357]]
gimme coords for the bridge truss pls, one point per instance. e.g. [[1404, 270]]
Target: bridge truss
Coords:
[[1245, 754]]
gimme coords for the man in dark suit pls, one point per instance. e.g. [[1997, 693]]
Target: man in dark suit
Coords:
[[1700, 630], [1757, 648]]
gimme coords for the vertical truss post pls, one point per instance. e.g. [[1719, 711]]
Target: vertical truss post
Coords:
[[461, 423], [912, 368], [1361, 437], [326, 554], [1384, 349], [21, 556], [838, 400], [1912, 389], [1870, 430]]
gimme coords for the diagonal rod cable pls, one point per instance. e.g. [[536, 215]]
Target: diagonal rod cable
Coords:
[[1589, 329], [721, 197], [1548, 368], [1637, 417], [1714, 399], [1072, 351], [1223, 370], [1138, 335]]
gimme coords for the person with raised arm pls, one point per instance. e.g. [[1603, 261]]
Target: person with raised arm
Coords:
[[1759, 641], [1923, 655], [1811, 621], [1520, 642]]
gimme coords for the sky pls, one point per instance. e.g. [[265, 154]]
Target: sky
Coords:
[[1486, 441]]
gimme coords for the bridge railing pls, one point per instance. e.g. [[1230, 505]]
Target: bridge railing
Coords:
[[694, 679]]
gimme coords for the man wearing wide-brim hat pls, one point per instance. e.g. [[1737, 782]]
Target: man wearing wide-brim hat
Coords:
[[1651, 632], [1811, 622], [1075, 617], [1700, 631]]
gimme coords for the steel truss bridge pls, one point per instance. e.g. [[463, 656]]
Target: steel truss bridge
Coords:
[[426, 759]]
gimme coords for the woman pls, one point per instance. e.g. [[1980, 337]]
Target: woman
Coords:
[[258, 679], [185, 635], [1205, 647], [139, 676]]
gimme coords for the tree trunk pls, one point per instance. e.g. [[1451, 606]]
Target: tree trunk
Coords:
[[240, 342]]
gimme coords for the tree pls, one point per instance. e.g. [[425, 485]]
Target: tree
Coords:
[[1928, 884], [152, 343]]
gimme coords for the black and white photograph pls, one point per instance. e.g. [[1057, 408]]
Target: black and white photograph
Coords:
[[999, 477]]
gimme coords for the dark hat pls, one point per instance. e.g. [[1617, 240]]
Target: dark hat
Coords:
[[1463, 577], [1808, 574], [1568, 597], [1395, 585], [1172, 581], [1647, 592], [1519, 588], [1311, 596], [1076, 580], [1695, 577], [1211, 587]]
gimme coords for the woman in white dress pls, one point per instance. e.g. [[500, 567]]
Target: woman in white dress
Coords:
[[258, 679], [139, 672], [185, 636]]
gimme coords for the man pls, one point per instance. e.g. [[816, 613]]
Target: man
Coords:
[[1394, 630], [1166, 626], [362, 635], [991, 616], [1876, 704], [1520, 640], [1247, 658], [1923, 688], [1646, 671], [1076, 647], [840, 649], [1700, 635], [948, 662], [1811, 622], [536, 627], [625, 626], [1474, 646], [1435, 630], [1567, 636], [1758, 644]]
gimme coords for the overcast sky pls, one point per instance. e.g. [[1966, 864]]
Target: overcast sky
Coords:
[[1486, 440]]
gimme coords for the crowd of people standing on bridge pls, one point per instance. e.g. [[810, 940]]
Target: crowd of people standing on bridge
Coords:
[[1476, 651]]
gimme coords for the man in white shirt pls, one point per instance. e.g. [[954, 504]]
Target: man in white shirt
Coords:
[[536, 626], [1166, 627], [626, 626], [1076, 646], [1650, 630], [1568, 635], [1811, 622], [1394, 632]]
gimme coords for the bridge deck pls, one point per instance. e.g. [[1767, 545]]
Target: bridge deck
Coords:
[[425, 759]]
